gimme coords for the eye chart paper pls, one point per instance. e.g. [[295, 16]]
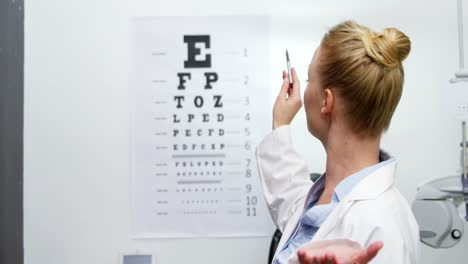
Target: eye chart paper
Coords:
[[199, 95]]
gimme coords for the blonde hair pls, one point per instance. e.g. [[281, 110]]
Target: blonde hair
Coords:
[[365, 68]]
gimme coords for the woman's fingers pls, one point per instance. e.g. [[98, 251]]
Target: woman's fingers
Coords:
[[338, 252], [318, 259], [330, 258], [286, 105], [285, 85], [303, 257], [327, 258], [373, 250], [366, 255], [286, 88], [296, 91]]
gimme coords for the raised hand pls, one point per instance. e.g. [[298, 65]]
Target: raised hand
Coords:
[[288, 102]]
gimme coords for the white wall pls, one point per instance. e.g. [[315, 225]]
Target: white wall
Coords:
[[76, 117]]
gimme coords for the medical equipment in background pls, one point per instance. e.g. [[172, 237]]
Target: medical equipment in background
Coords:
[[436, 204]]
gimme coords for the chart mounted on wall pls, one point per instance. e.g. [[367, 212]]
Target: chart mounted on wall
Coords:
[[199, 94]]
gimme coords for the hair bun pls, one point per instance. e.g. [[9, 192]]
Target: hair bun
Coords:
[[388, 48]]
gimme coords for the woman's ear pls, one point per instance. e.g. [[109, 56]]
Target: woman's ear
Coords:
[[327, 102]]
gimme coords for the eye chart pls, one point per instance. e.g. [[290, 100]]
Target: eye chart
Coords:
[[199, 97]]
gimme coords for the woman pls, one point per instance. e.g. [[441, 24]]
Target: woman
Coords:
[[354, 85]]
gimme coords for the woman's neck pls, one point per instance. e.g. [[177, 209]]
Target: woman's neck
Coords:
[[347, 154]]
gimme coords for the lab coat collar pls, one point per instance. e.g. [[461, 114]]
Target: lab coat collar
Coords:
[[374, 184], [377, 182]]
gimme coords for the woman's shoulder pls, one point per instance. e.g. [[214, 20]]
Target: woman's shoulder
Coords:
[[388, 205], [387, 217]]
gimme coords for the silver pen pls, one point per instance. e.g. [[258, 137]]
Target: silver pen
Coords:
[[289, 69]]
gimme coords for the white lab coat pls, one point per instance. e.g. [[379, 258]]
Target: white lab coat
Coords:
[[374, 210]]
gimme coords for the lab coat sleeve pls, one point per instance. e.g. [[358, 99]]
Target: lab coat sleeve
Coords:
[[284, 175], [400, 237], [395, 249]]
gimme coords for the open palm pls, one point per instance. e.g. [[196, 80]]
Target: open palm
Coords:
[[338, 251]]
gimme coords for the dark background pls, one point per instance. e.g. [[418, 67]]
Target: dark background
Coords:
[[11, 130]]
